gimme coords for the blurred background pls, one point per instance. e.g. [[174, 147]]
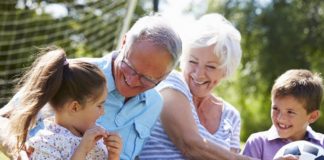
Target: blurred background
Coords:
[[277, 35]]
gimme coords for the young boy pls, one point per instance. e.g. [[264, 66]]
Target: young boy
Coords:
[[295, 97]]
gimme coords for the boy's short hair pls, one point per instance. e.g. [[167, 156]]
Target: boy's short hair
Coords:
[[302, 84]]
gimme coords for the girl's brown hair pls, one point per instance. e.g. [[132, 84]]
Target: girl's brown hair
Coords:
[[55, 80]]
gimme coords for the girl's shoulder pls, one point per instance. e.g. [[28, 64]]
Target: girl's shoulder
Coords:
[[54, 136], [48, 142]]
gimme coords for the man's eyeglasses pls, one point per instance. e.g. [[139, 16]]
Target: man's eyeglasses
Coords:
[[145, 81]]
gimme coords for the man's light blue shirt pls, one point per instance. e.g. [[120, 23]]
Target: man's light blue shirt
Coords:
[[133, 120]]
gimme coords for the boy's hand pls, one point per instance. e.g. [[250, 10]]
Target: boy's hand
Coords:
[[114, 145], [288, 157]]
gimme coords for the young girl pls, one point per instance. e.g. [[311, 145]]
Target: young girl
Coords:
[[76, 92]]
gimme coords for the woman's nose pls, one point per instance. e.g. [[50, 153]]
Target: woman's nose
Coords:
[[199, 72]]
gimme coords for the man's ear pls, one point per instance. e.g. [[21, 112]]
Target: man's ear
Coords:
[[313, 116]]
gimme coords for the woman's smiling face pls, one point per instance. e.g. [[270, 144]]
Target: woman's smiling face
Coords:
[[201, 70]]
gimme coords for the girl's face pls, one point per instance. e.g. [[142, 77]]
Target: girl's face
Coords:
[[290, 117], [201, 71], [90, 112]]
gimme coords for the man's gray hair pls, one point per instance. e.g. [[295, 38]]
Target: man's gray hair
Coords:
[[214, 29], [157, 30]]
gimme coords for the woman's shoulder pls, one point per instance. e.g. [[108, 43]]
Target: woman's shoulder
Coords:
[[174, 77], [175, 81], [228, 107]]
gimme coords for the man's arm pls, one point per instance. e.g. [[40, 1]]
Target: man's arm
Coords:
[[180, 126]]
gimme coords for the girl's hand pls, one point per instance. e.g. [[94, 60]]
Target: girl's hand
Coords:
[[114, 145], [89, 140]]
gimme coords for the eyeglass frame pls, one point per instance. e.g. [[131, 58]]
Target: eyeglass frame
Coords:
[[142, 78]]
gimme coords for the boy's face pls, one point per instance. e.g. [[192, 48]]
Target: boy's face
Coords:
[[290, 117]]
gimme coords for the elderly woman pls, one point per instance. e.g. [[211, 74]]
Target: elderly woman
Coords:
[[195, 123]]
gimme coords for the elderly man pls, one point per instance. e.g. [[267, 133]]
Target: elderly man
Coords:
[[149, 52]]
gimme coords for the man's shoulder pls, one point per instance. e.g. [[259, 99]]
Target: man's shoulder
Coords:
[[153, 106], [96, 60], [104, 63], [231, 109], [107, 58], [152, 96]]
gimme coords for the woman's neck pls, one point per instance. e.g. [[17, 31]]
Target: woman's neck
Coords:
[[198, 100], [209, 110]]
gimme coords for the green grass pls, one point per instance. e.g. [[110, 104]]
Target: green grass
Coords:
[[3, 156]]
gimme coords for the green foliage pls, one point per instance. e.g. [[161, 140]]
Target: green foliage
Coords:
[[3, 156], [277, 36], [89, 29]]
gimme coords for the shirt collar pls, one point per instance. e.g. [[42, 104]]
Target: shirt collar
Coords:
[[273, 134], [110, 77], [311, 134]]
